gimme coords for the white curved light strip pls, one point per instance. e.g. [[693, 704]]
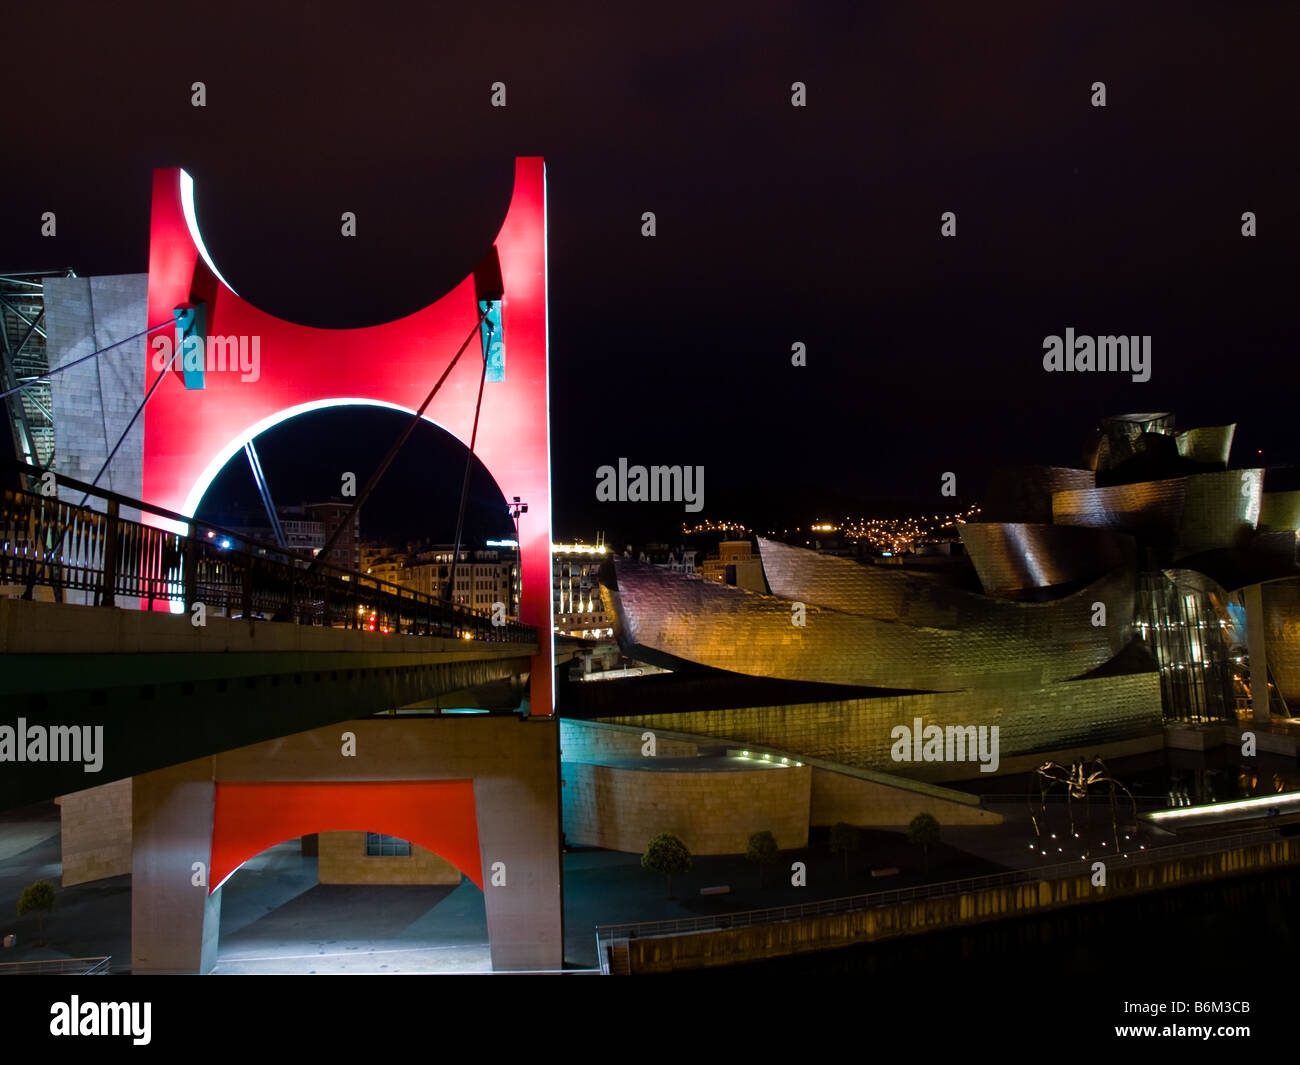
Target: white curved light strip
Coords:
[[546, 359], [192, 221], [1209, 810], [226, 453]]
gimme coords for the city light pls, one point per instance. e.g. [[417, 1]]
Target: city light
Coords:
[[1214, 809], [713, 527]]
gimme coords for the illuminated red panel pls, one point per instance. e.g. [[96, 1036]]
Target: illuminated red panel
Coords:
[[435, 814], [189, 434]]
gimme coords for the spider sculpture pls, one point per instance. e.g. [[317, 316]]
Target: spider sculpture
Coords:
[[1078, 778]]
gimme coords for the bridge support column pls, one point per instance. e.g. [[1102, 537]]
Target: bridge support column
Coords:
[[174, 922], [518, 815]]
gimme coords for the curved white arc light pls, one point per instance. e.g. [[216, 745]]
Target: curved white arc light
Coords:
[[546, 362], [213, 891], [192, 222], [226, 453]]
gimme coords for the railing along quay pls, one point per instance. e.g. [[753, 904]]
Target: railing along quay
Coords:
[[58, 967], [102, 556], [892, 896]]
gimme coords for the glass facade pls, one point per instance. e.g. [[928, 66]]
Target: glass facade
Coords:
[[1189, 632]]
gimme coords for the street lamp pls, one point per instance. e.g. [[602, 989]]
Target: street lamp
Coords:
[[514, 509]]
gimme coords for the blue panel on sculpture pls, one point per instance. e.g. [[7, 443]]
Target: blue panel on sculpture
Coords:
[[494, 347], [191, 341]]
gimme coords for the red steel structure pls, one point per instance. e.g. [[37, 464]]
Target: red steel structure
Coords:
[[190, 433]]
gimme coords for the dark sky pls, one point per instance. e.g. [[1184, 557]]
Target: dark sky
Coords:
[[775, 224]]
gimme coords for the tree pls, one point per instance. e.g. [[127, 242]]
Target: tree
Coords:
[[37, 898], [762, 849], [845, 839], [666, 855], [923, 831]]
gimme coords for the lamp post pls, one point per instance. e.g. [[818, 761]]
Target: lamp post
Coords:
[[515, 508]]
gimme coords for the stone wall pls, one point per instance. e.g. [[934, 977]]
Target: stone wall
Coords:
[[869, 803], [343, 860], [856, 732], [622, 809], [94, 402], [95, 832], [593, 741]]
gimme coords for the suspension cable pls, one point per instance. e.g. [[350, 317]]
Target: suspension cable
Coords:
[[392, 451], [464, 486], [77, 362]]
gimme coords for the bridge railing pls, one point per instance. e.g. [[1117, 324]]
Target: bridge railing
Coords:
[[97, 556]]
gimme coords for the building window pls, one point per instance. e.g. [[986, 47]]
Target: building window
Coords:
[[380, 846]]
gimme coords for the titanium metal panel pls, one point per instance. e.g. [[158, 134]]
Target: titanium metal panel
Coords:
[[1202, 512], [1210, 444], [1280, 510], [852, 587], [1024, 493], [1012, 559], [989, 642], [1282, 637]]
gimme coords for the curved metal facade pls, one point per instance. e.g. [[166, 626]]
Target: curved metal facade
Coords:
[[985, 642], [1204, 543], [1280, 510], [1024, 493], [883, 592], [1210, 444], [1282, 637], [1012, 559], [1187, 515]]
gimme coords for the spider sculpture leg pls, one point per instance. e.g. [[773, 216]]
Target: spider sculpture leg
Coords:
[[1029, 802], [1132, 808]]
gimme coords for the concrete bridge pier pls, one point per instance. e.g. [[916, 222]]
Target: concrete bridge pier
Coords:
[[174, 921], [509, 835]]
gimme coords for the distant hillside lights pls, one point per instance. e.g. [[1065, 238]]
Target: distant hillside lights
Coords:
[[658, 484], [1110, 354]]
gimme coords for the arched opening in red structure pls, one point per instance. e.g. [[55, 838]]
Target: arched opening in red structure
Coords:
[[409, 522], [402, 894]]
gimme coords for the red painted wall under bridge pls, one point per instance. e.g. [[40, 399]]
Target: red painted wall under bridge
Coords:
[[438, 815]]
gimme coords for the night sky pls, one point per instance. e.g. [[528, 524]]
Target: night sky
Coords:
[[775, 224]]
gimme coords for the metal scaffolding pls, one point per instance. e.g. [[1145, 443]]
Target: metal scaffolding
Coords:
[[23, 361]]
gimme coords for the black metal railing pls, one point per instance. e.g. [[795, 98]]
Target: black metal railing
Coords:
[[103, 558]]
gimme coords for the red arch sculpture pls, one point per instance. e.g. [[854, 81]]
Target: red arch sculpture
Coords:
[[435, 814], [189, 434]]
